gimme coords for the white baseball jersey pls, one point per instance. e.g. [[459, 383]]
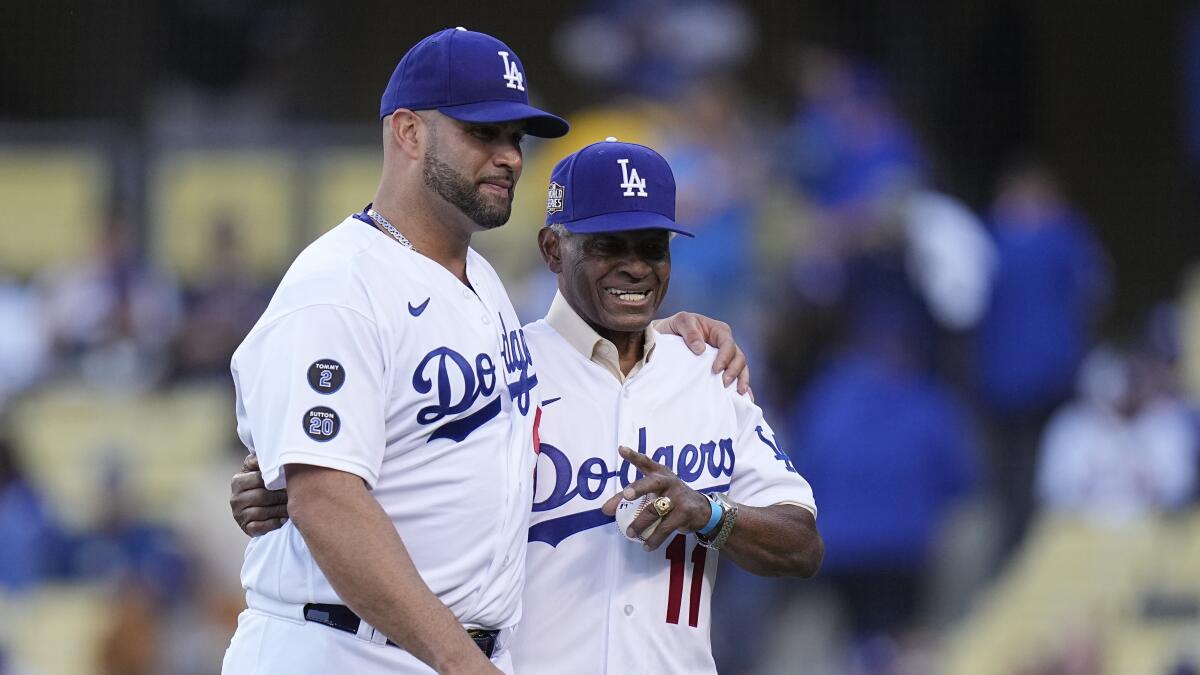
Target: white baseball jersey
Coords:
[[594, 602], [375, 360]]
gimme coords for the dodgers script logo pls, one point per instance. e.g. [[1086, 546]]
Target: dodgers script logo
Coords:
[[691, 461], [461, 382], [517, 361]]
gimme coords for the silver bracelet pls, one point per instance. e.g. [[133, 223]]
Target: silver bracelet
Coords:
[[727, 521]]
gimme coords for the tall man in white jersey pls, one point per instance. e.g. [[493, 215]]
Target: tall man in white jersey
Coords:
[[388, 386], [595, 603]]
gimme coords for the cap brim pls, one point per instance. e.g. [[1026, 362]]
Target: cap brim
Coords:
[[626, 221], [537, 122]]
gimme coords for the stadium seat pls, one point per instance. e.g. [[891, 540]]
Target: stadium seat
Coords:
[[53, 197], [342, 182], [58, 631], [1076, 581], [70, 436], [192, 192]]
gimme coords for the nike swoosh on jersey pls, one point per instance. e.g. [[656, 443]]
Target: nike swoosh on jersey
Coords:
[[416, 311], [550, 400]]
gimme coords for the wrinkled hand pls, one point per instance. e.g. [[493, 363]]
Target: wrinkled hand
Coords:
[[692, 509], [697, 331], [256, 509]]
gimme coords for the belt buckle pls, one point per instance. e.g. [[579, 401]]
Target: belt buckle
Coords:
[[484, 639]]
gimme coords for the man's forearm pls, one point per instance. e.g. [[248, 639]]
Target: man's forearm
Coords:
[[357, 547], [779, 540]]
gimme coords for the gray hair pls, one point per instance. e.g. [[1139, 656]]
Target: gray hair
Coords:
[[562, 231]]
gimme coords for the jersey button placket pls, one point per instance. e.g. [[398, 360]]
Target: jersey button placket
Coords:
[[503, 522]]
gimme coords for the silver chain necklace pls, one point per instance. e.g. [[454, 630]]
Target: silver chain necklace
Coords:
[[383, 222]]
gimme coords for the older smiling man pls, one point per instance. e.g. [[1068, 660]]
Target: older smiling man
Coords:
[[626, 412]]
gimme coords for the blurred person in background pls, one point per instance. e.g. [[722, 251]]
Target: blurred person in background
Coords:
[[847, 144], [145, 570], [113, 315], [949, 257], [30, 537], [24, 343], [852, 158], [894, 452], [124, 546], [613, 44], [1125, 447], [720, 167], [220, 309], [1050, 284]]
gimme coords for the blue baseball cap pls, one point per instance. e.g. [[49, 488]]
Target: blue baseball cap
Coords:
[[469, 76], [613, 187]]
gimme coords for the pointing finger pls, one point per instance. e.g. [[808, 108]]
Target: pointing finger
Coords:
[[642, 462], [646, 485]]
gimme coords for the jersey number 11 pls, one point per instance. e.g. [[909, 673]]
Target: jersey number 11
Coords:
[[677, 554]]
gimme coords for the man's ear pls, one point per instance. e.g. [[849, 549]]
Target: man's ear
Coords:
[[408, 132], [550, 244]]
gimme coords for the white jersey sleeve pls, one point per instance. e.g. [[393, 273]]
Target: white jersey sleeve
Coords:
[[764, 474], [310, 402]]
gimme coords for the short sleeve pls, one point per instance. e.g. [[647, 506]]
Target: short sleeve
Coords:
[[311, 392], [763, 474]]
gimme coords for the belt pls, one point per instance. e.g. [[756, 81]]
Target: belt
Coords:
[[344, 619]]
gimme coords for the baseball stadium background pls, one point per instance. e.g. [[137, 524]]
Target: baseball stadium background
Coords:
[[958, 239]]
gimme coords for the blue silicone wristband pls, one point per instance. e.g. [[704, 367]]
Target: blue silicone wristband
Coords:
[[717, 512]]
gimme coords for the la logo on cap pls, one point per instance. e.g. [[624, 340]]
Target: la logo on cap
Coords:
[[512, 75], [632, 181]]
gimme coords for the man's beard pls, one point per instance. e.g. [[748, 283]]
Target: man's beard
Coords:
[[462, 193]]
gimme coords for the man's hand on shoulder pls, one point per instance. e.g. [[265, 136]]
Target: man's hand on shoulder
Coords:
[[697, 331], [256, 509]]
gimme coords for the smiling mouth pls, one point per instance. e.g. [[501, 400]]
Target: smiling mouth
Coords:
[[625, 295]]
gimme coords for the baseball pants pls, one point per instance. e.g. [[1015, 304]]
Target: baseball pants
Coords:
[[267, 643]]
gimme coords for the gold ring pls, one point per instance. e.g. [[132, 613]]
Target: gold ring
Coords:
[[663, 506]]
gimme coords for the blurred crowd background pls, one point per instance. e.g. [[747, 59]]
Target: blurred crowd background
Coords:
[[958, 239]]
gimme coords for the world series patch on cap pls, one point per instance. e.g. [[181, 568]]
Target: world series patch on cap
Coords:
[[470, 76], [612, 186]]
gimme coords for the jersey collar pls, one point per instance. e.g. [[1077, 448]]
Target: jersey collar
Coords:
[[585, 340]]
